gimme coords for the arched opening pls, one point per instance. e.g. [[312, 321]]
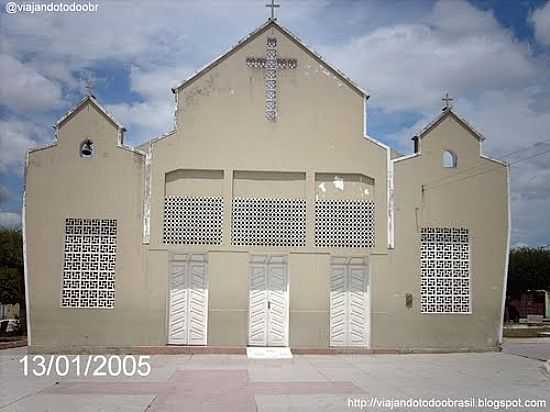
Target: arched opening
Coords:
[[87, 149], [449, 159]]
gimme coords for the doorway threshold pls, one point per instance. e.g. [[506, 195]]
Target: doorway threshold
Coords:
[[268, 352]]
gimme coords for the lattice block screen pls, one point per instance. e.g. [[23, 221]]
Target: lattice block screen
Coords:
[[271, 79], [90, 262], [445, 270], [344, 223], [193, 220], [269, 222]]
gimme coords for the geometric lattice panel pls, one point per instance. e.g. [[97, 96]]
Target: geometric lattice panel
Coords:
[[90, 263], [269, 222], [193, 220], [445, 270], [344, 223]]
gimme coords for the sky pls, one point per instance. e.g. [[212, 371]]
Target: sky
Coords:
[[492, 56]]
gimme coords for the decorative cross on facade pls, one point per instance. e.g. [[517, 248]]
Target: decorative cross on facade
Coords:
[[447, 101], [273, 6], [270, 63]]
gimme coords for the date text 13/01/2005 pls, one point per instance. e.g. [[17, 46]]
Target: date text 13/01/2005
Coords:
[[90, 365]]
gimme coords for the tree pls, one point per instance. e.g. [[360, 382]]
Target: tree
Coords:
[[528, 269], [12, 279]]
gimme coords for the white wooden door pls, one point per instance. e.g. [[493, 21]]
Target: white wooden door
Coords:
[[268, 308], [277, 305], [349, 306], [178, 304], [188, 306], [257, 311], [338, 305]]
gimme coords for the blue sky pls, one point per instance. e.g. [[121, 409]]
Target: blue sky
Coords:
[[493, 56]]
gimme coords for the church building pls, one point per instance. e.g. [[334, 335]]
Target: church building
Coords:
[[267, 217]]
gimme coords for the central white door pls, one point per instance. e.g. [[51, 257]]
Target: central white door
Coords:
[[268, 307], [349, 305], [188, 301]]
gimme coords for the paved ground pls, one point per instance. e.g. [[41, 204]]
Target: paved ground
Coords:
[[304, 383], [534, 348]]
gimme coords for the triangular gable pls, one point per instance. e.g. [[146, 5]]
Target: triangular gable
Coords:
[[92, 100], [459, 119], [245, 40]]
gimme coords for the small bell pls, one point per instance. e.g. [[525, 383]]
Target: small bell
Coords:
[[86, 150]]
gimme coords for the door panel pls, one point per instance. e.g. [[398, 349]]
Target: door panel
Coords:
[[338, 306], [198, 304], [188, 306], [257, 321], [277, 306], [357, 306], [178, 305], [268, 308], [349, 303]]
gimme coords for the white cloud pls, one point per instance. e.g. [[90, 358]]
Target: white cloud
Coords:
[[5, 194], [148, 119], [530, 224], [157, 83], [461, 18], [541, 23], [127, 30], [458, 49], [16, 138], [509, 119], [25, 89], [9, 219], [44, 53], [153, 115]]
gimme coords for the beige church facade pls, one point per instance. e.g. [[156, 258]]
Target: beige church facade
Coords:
[[267, 217]]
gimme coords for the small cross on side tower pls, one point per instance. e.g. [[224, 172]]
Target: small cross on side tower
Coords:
[[447, 100], [273, 6]]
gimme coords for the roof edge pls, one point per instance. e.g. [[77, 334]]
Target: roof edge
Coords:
[[83, 101], [155, 139], [405, 157], [446, 112], [257, 32], [226, 53]]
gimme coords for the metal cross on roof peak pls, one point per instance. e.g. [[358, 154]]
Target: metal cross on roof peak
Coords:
[[273, 6], [447, 101], [89, 86]]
